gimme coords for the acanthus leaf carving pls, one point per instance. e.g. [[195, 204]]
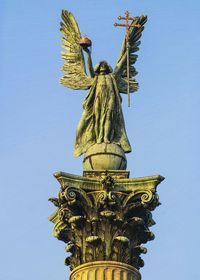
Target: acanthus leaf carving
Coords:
[[104, 222]]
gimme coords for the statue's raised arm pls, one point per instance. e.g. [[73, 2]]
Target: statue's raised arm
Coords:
[[75, 76], [101, 127], [120, 71]]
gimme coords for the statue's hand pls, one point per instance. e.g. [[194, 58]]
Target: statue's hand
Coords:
[[85, 48]]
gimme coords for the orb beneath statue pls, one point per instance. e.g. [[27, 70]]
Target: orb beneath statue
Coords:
[[104, 156]]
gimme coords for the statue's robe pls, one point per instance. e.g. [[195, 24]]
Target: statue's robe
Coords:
[[101, 112]]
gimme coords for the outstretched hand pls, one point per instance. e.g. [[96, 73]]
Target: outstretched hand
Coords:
[[85, 48]]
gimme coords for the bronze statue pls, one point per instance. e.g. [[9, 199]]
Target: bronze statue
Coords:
[[102, 120], [104, 217]]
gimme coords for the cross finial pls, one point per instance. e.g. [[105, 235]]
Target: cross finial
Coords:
[[126, 24]]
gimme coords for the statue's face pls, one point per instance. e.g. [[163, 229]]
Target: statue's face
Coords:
[[104, 69]]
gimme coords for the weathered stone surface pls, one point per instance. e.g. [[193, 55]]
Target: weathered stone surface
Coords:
[[104, 218], [116, 174], [103, 270]]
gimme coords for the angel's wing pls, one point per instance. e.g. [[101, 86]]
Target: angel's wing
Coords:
[[120, 71], [75, 76]]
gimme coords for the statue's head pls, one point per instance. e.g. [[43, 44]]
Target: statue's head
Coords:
[[103, 68]]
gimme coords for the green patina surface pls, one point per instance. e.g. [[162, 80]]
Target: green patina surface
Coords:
[[104, 217], [102, 120]]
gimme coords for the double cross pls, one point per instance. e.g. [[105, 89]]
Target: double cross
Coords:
[[127, 25]]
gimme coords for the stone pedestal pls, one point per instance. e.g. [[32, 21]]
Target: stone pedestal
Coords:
[[105, 270]]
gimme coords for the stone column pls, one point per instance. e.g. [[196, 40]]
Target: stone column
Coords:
[[104, 217], [104, 270]]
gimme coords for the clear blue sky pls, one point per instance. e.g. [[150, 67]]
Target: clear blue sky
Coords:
[[38, 118]]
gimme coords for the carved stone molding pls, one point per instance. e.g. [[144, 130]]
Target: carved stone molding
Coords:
[[103, 270], [104, 218]]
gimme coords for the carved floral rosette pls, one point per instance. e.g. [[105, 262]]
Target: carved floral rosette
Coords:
[[104, 219]]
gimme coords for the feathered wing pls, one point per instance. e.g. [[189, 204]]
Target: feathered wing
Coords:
[[75, 76], [120, 71]]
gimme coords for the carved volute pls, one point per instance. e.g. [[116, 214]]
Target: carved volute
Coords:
[[105, 218]]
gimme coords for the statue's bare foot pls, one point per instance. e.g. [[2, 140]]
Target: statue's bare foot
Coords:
[[106, 141]]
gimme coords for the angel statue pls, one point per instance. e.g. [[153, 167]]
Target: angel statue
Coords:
[[102, 120]]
